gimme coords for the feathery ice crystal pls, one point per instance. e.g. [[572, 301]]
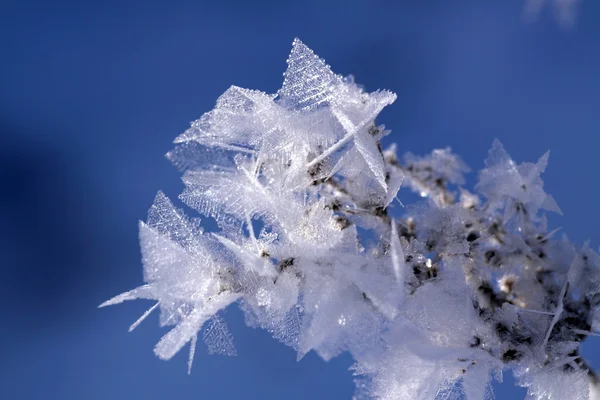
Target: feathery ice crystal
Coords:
[[433, 304]]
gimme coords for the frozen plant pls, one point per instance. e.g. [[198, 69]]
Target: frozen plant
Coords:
[[431, 304]]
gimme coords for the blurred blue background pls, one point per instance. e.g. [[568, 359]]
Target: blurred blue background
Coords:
[[93, 93]]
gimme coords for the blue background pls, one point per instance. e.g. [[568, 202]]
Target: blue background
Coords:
[[93, 93]]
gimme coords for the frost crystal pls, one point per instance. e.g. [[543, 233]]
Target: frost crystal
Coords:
[[434, 303]]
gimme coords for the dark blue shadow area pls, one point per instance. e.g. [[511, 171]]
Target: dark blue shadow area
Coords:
[[93, 93]]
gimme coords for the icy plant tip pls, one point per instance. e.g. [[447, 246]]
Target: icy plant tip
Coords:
[[431, 303]]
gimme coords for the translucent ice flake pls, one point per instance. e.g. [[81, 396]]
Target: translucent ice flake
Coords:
[[233, 193], [168, 220], [190, 156], [366, 146], [519, 185], [217, 338], [238, 122], [309, 82], [189, 326]]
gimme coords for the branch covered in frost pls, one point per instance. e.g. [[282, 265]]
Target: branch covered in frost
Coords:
[[431, 303]]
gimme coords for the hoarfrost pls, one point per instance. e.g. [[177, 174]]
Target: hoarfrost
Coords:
[[433, 303]]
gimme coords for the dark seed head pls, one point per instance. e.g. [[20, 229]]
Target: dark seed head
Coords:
[[511, 355], [472, 236]]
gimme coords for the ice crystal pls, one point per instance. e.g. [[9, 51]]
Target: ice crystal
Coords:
[[433, 303]]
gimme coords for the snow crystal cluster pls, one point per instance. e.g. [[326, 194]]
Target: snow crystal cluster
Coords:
[[431, 304]]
